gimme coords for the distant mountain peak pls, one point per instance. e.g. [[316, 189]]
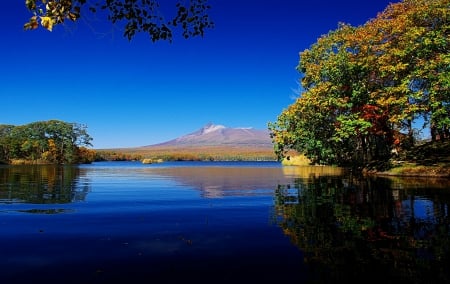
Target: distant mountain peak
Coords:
[[211, 127], [217, 134]]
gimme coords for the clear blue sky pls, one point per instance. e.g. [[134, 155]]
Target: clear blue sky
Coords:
[[241, 74]]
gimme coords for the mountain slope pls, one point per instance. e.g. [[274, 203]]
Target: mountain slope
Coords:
[[219, 135], [210, 143]]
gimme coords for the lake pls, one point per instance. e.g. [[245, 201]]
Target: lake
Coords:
[[208, 222]]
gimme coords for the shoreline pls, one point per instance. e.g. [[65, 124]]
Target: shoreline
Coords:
[[413, 169]]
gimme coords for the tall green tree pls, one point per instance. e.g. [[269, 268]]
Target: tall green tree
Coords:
[[133, 16], [365, 87]]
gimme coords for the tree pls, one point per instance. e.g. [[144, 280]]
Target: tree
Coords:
[[5, 142], [415, 64], [365, 87], [52, 141], [136, 16]]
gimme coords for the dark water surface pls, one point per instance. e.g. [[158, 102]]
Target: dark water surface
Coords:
[[216, 222]]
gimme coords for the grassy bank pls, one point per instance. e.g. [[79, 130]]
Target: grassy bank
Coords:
[[431, 159]]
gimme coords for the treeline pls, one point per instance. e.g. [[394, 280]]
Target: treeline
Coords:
[[52, 141], [119, 156], [202, 153], [368, 92]]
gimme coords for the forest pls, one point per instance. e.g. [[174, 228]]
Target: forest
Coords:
[[45, 142], [370, 92]]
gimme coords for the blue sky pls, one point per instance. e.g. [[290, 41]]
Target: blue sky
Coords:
[[240, 74]]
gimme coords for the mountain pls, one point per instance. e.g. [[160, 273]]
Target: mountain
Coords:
[[219, 135]]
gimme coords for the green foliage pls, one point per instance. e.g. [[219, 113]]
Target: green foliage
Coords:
[[365, 87], [137, 16], [52, 141]]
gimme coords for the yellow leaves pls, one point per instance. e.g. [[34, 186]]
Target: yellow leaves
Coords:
[[49, 13], [73, 16], [32, 24], [47, 23], [30, 4]]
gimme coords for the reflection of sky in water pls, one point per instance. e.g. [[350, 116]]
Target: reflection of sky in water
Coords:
[[423, 208], [211, 180], [124, 217]]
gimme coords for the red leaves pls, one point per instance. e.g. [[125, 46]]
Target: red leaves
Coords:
[[377, 117]]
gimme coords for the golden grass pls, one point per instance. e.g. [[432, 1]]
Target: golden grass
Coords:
[[297, 160], [417, 170], [151, 161], [28, 162]]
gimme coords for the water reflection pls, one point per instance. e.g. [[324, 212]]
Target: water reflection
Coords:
[[215, 182], [181, 222], [312, 171], [41, 184], [368, 228], [223, 181]]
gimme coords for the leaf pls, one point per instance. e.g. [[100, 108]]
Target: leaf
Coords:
[[72, 16], [47, 23], [32, 24], [31, 4]]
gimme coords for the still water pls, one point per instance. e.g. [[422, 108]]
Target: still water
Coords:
[[215, 222]]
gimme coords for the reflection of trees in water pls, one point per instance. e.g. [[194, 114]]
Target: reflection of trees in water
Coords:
[[41, 184], [217, 181], [364, 229]]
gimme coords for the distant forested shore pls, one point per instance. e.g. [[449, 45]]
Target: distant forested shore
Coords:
[[189, 153], [45, 142], [60, 142]]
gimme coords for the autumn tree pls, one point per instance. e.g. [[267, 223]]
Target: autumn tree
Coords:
[[134, 16], [364, 87], [416, 63], [52, 141]]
